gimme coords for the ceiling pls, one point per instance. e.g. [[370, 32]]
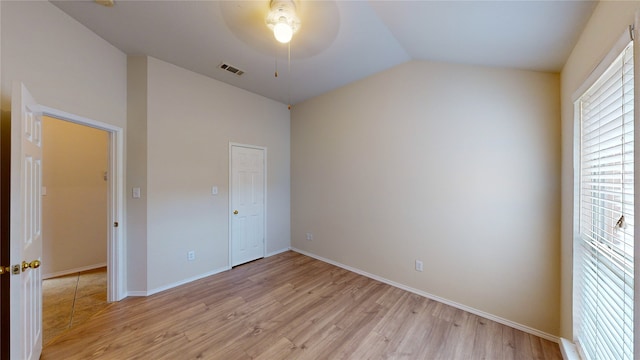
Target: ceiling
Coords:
[[339, 41]]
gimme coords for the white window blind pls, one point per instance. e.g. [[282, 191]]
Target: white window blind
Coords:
[[604, 251]]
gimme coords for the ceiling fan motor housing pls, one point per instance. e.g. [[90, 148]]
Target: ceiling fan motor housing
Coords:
[[283, 10]]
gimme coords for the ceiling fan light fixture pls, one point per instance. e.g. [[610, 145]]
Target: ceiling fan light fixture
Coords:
[[107, 3], [283, 20], [282, 32]]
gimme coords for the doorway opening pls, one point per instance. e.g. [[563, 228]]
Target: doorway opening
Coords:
[[115, 259], [74, 223]]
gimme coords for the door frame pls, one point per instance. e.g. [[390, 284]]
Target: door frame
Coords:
[[116, 260], [264, 205]]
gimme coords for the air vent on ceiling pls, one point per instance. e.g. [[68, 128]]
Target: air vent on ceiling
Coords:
[[231, 69]]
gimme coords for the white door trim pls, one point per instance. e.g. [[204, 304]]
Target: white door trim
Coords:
[[264, 205], [116, 260]]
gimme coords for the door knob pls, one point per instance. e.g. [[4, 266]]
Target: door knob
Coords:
[[34, 265], [235, 212]]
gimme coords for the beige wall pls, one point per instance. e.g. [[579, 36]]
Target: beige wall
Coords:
[[457, 166], [74, 210], [190, 120], [608, 22]]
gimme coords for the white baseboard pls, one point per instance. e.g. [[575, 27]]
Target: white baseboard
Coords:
[[497, 319], [569, 350], [73, 271], [177, 283], [194, 278], [277, 252]]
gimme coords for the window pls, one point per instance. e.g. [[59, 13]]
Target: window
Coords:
[[604, 261]]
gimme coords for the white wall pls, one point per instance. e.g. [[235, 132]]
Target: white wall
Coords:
[[608, 22], [69, 68], [63, 64], [190, 121], [74, 210], [137, 172], [457, 166]]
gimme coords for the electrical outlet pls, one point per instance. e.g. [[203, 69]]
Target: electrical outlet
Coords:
[[191, 255], [419, 266], [309, 236]]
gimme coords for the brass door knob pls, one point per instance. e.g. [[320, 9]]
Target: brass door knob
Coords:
[[235, 212], [34, 265]]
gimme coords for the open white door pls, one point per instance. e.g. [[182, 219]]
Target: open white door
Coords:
[[247, 195], [26, 226]]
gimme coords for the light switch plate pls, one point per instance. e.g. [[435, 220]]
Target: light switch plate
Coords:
[[214, 190], [136, 193]]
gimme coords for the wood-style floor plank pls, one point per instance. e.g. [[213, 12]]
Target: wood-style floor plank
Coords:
[[291, 306]]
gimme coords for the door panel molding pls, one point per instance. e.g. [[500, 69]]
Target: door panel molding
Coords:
[[25, 240]]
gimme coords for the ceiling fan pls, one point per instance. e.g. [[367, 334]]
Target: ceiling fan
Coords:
[[107, 3], [314, 24], [283, 20]]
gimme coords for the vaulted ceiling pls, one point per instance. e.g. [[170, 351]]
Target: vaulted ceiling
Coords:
[[339, 41]]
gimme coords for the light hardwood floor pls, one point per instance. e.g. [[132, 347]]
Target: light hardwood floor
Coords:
[[291, 306]]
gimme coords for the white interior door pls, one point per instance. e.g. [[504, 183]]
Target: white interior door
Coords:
[[26, 226], [247, 203]]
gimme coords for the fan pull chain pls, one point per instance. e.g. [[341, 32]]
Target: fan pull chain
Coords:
[[276, 74], [289, 80]]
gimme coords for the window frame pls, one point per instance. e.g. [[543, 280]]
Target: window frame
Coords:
[[593, 78]]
